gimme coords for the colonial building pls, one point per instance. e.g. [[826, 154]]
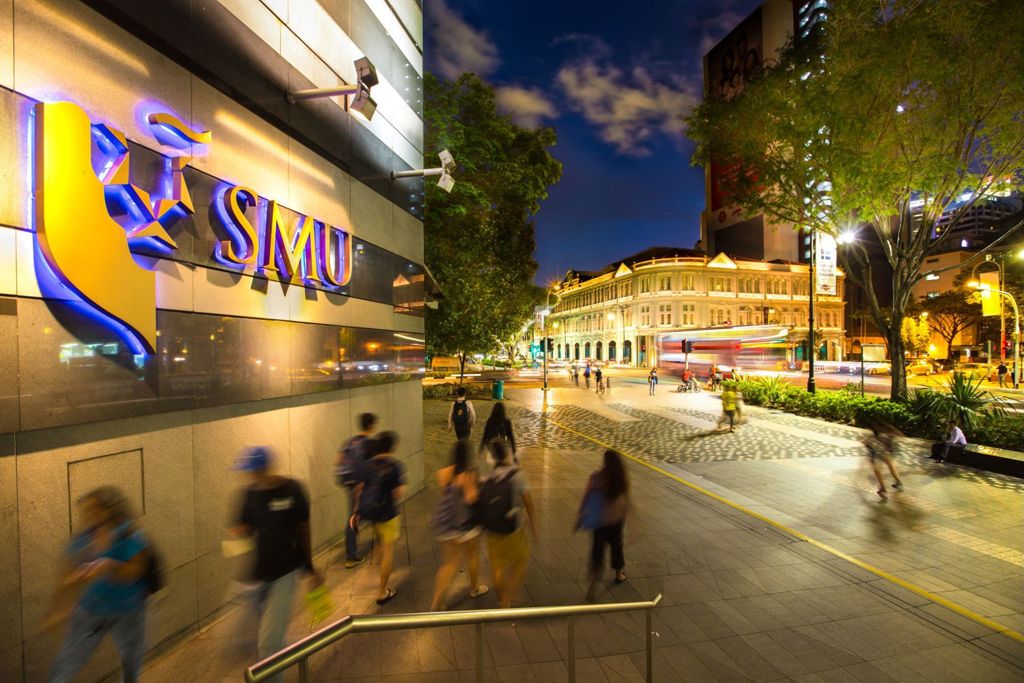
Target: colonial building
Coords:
[[615, 314]]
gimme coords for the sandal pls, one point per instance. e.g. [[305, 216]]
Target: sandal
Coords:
[[478, 591], [388, 594], [620, 578]]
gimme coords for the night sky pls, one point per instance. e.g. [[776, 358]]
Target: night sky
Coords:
[[614, 79]]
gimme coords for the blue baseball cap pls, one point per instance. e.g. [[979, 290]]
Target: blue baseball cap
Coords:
[[254, 459]]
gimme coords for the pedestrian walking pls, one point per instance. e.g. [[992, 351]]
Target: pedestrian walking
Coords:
[[108, 563], [1002, 371], [879, 446], [461, 416], [377, 496], [455, 525], [275, 514], [352, 455], [586, 375], [598, 381], [955, 442], [498, 427], [730, 403], [575, 374], [506, 507], [603, 512], [652, 381]]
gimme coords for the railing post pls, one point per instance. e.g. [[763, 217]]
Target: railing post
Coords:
[[303, 671], [479, 628], [650, 644], [572, 650]]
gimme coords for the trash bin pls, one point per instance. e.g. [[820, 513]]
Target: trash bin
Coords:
[[498, 390]]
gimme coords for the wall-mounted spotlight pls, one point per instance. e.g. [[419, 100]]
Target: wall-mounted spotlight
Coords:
[[361, 103], [446, 182]]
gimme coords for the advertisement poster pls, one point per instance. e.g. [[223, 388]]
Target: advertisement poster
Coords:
[[825, 266]]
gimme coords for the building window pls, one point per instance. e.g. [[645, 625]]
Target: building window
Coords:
[[645, 285], [688, 314], [721, 284], [686, 282], [645, 316], [665, 283], [664, 314]]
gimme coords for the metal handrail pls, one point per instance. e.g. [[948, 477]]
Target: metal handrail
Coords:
[[298, 653]]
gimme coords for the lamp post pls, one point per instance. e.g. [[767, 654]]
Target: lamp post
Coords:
[[1001, 268], [1016, 326], [810, 314]]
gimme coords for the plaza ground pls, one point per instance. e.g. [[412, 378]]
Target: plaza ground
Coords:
[[776, 559]]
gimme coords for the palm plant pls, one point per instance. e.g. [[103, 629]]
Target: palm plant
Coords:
[[966, 403]]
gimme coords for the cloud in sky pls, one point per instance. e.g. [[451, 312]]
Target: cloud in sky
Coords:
[[628, 106], [458, 47], [529, 107]]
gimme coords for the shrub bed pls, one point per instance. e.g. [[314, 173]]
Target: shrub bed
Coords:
[[922, 415], [446, 390]]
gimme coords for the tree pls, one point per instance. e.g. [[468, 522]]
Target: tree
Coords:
[[950, 313], [915, 335], [887, 116], [479, 239]]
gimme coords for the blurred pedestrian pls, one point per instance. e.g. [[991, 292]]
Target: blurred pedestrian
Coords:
[[730, 404], [586, 375], [603, 512], [1001, 371], [461, 416], [351, 457], [575, 374], [505, 507], [498, 427], [377, 497], [879, 446], [652, 381], [108, 563], [455, 525], [598, 381], [275, 513]]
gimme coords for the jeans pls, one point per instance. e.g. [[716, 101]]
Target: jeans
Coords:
[[274, 606], [351, 535], [86, 630], [651, 389], [610, 535]]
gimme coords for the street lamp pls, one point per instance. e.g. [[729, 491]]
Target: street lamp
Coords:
[[983, 288]]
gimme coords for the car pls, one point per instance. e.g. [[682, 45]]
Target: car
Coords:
[[974, 370], [921, 366], [878, 368]]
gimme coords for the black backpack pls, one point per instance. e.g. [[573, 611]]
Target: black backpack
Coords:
[[154, 576], [353, 455], [494, 506], [460, 415], [373, 500]]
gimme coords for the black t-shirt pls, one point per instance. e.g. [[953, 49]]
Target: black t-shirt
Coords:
[[275, 516], [381, 476]]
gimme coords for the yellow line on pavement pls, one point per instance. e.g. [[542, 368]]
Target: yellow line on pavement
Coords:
[[902, 583]]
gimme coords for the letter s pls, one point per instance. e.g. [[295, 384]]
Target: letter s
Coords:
[[231, 211]]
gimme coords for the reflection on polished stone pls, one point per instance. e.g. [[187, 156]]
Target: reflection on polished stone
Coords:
[[74, 369]]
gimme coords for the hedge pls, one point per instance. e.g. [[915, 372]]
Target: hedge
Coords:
[[916, 417], [446, 390]]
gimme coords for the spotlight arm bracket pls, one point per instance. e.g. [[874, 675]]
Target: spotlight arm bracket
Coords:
[[314, 93]]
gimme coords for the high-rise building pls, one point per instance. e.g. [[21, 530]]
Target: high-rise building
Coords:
[[727, 68]]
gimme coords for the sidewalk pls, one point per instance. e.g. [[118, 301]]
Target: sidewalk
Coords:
[[743, 600]]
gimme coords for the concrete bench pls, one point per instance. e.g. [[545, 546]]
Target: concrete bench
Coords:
[[989, 458]]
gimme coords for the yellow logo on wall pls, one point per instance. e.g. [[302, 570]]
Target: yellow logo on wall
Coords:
[[85, 247]]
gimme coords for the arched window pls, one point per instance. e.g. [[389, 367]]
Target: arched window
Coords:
[[627, 351], [611, 350], [586, 350], [599, 350], [576, 351]]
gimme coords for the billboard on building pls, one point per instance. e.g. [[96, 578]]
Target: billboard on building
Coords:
[[825, 265]]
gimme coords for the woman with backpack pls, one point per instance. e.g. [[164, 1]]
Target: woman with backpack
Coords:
[[504, 498], [455, 525], [499, 427], [603, 511]]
